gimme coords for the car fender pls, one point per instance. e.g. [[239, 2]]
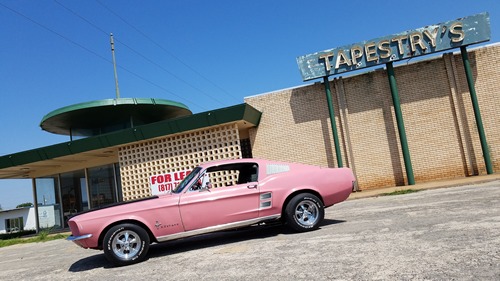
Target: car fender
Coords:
[[301, 189]]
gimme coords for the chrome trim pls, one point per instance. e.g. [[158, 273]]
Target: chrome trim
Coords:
[[215, 228], [266, 200], [75, 238]]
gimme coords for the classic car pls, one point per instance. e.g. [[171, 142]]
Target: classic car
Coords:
[[215, 196]]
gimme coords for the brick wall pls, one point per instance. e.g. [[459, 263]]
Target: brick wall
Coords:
[[437, 112]]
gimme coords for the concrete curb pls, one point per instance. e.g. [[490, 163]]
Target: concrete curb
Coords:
[[426, 185]]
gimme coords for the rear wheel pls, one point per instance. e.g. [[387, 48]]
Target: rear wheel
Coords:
[[126, 244], [304, 212]]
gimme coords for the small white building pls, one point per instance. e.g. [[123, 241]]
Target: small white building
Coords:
[[25, 219]]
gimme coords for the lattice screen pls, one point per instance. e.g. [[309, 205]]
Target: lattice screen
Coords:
[[174, 153], [223, 178]]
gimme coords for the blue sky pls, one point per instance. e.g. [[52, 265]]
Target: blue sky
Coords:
[[205, 54]]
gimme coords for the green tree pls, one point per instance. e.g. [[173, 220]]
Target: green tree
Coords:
[[27, 204]]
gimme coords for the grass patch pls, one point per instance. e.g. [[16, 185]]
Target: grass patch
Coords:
[[42, 236], [399, 192]]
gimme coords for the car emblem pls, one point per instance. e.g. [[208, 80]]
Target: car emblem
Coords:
[[157, 225]]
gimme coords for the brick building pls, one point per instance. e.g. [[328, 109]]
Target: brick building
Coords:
[[437, 111]]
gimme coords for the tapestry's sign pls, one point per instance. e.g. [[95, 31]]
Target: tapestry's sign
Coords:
[[408, 44]]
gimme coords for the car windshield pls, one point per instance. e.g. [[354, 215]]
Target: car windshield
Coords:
[[186, 180]]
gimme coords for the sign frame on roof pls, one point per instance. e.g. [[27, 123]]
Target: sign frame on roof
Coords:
[[408, 44]]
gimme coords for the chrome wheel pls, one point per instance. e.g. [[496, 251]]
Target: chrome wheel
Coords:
[[306, 213], [126, 244]]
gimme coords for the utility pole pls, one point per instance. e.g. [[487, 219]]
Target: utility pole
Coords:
[[114, 66]]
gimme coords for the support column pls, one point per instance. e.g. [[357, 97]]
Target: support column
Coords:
[[332, 121], [477, 113], [401, 126], [35, 205]]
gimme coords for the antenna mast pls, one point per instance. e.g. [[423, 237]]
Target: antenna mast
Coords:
[[114, 66]]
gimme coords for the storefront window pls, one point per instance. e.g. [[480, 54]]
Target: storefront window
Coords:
[[49, 207], [102, 186], [78, 191], [73, 193]]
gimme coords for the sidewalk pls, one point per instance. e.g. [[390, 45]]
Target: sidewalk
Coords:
[[426, 185]]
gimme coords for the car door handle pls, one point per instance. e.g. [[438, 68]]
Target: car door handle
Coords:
[[252, 186]]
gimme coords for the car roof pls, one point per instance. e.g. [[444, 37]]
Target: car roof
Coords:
[[233, 161]]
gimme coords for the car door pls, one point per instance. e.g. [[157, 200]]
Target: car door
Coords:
[[220, 205]]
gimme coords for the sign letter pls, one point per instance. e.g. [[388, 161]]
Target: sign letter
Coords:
[[456, 29], [400, 39], [432, 35], [326, 57], [356, 52], [371, 52], [384, 46], [416, 39], [342, 59]]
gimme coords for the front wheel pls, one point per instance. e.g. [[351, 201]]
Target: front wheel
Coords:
[[304, 212], [126, 244]]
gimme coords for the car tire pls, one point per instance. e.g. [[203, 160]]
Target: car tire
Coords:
[[304, 212], [126, 244]]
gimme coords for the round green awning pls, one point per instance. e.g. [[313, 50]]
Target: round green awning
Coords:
[[109, 115]]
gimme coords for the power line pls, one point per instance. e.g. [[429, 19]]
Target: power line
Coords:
[[166, 51], [55, 32], [97, 55], [139, 54], [82, 18]]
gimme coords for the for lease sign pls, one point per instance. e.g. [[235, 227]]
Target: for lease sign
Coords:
[[163, 183], [404, 45]]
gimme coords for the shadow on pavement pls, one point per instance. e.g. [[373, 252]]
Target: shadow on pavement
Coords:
[[327, 222], [225, 237], [89, 263]]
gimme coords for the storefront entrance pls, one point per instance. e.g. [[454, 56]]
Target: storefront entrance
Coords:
[[61, 196]]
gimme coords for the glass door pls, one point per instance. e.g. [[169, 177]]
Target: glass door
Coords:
[[73, 193], [49, 205], [102, 186]]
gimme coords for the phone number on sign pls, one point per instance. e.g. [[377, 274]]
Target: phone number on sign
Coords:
[[165, 187]]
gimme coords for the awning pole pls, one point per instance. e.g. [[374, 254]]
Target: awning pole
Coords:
[[401, 126], [332, 121]]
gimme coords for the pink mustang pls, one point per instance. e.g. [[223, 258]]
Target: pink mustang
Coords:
[[214, 196]]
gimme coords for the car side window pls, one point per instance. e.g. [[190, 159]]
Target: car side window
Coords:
[[232, 174], [203, 182], [248, 173]]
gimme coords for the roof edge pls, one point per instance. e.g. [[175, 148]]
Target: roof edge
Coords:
[[107, 102]]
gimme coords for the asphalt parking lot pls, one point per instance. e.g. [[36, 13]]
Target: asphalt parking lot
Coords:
[[441, 234]]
